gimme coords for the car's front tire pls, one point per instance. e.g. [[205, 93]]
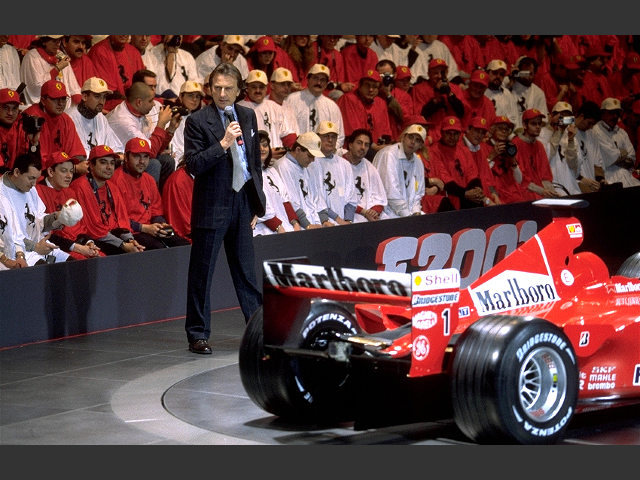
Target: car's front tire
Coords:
[[513, 380], [630, 267]]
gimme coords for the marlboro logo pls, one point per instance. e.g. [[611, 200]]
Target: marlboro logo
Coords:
[[513, 290]]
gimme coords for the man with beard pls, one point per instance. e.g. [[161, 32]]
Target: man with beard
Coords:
[[363, 108], [91, 124], [76, 46], [370, 193], [312, 107], [58, 132], [230, 50], [528, 95], [504, 102]]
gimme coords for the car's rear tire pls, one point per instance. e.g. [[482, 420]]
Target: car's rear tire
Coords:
[[298, 388], [630, 267], [513, 380]]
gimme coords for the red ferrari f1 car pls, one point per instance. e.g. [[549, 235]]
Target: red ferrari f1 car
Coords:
[[543, 335]]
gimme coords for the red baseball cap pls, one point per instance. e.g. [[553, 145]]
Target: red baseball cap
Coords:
[[264, 44], [100, 151], [9, 96], [403, 72], [53, 89], [59, 157], [437, 62], [479, 76], [451, 123], [532, 113], [502, 119], [479, 122], [138, 145], [372, 75]]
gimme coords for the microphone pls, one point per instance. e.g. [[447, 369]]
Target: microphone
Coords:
[[228, 112]]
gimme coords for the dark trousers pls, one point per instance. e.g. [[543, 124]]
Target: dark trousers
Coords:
[[236, 235]]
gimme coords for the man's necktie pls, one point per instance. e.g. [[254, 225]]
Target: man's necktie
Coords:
[[238, 176]]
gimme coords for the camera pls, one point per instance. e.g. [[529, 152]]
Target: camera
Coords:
[[524, 74], [569, 120], [444, 88], [179, 109], [167, 231], [331, 86], [387, 78], [175, 41], [32, 124], [510, 149]]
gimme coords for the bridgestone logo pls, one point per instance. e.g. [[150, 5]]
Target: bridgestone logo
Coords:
[[512, 290], [422, 300], [333, 278], [546, 337]]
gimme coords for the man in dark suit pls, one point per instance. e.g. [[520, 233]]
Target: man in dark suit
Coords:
[[220, 214]]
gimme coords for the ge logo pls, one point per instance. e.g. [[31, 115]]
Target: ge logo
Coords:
[[421, 347], [567, 277]]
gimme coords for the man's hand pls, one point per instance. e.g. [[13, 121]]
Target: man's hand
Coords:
[[44, 247]]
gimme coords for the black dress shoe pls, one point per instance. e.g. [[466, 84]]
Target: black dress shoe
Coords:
[[200, 346]]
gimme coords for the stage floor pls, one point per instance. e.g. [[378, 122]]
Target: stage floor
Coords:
[[141, 386]]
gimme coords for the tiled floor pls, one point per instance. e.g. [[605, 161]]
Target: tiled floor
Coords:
[[141, 386]]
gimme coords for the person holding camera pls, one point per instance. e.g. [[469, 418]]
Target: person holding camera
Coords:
[[476, 103], [142, 199], [504, 102], [18, 133], [173, 65], [500, 154], [364, 108], [47, 62], [528, 94], [399, 102], [559, 139], [191, 100], [537, 178], [436, 98], [57, 130]]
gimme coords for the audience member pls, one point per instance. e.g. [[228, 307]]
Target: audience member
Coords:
[[10, 62], [279, 214], [402, 173], [116, 60], [303, 193], [474, 137], [176, 200], [143, 45], [12, 254], [386, 48], [129, 120], [428, 50], [14, 139], [54, 192], [558, 138], [142, 199], [476, 104], [466, 52], [191, 99], [528, 95], [595, 83], [105, 216], [437, 98], [312, 107], [76, 48], [399, 102], [537, 178], [359, 59], [617, 153], [590, 168], [173, 66], [334, 176], [58, 132], [91, 124], [44, 63], [34, 225], [271, 116], [302, 55], [261, 56], [455, 166], [230, 50], [501, 156], [364, 108], [326, 53], [504, 102]]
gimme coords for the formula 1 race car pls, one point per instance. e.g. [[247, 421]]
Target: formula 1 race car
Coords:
[[544, 334]]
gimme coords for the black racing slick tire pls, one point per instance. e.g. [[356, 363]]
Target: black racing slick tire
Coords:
[[630, 267], [513, 380], [299, 388]]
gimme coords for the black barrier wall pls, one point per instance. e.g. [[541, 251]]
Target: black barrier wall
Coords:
[[54, 301]]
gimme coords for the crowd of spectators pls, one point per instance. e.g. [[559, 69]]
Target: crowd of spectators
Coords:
[[353, 128]]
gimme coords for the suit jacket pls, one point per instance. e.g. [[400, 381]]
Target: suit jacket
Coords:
[[213, 167]]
